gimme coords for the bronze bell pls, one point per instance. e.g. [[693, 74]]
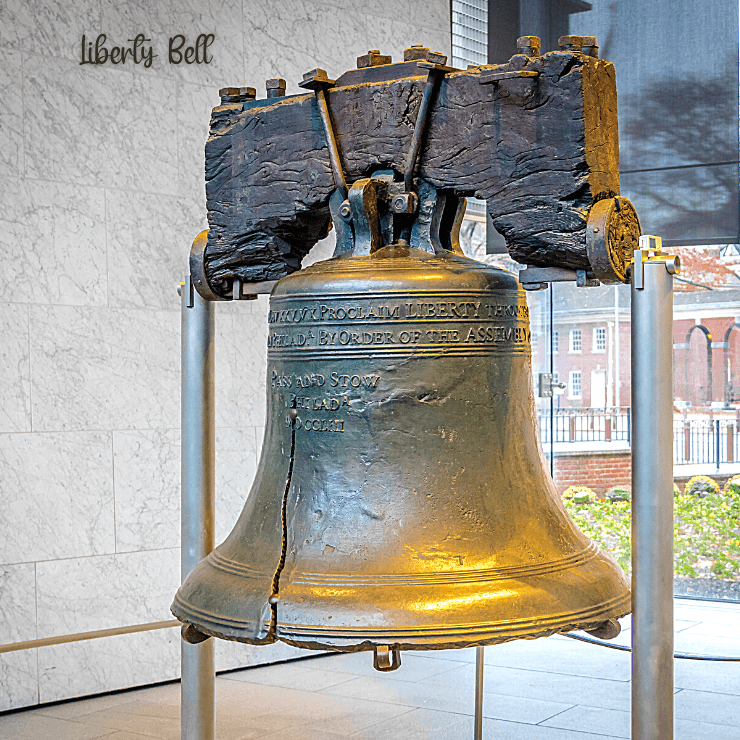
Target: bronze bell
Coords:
[[402, 499]]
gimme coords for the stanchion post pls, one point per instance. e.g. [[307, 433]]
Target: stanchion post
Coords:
[[479, 664], [652, 491], [197, 712]]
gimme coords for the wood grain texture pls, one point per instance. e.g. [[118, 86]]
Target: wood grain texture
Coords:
[[540, 150]]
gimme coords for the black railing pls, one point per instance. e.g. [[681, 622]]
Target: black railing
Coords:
[[704, 441], [696, 441], [585, 425]]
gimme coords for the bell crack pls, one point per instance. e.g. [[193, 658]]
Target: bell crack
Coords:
[[275, 591]]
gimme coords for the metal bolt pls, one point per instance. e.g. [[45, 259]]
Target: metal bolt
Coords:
[[417, 51], [570, 43], [529, 45], [345, 211], [230, 95], [404, 203], [273, 599], [275, 87], [373, 59], [293, 414], [590, 47], [247, 93]]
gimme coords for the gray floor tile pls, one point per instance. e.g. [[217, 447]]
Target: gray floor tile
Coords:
[[721, 709], [425, 724], [117, 718], [693, 642], [589, 719], [34, 726], [704, 675], [687, 730], [414, 667], [448, 699], [291, 677], [561, 655], [72, 709], [594, 692]]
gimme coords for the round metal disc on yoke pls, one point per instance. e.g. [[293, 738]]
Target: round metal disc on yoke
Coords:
[[612, 235]]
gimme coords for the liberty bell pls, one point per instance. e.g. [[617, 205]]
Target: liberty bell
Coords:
[[402, 501]]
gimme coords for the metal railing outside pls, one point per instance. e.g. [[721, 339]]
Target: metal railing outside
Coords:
[[585, 425], [705, 441]]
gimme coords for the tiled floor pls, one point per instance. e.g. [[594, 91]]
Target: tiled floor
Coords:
[[551, 689]]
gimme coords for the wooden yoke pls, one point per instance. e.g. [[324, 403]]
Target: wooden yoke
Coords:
[[536, 138]]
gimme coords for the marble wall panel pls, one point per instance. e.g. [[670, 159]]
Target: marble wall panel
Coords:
[[241, 362], [104, 368], [15, 370], [286, 38], [422, 15], [236, 464], [11, 113], [48, 27], [395, 35], [17, 603], [148, 243], [194, 105], [95, 593], [56, 496], [52, 243], [107, 664], [161, 21], [19, 680], [147, 489], [99, 126]]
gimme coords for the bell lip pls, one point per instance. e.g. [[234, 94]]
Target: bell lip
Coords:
[[449, 637]]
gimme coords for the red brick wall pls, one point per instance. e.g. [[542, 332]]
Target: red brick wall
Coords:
[[600, 471]]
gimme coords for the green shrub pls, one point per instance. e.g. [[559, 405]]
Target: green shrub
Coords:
[[732, 486], [706, 531], [701, 485]]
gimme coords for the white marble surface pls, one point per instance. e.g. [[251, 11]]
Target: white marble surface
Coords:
[[104, 368], [103, 194], [56, 496], [241, 362], [15, 369], [108, 663], [19, 680], [11, 113], [99, 126], [148, 241], [17, 603], [52, 243], [48, 27], [160, 21], [194, 105], [147, 484], [147, 489], [95, 593], [236, 464]]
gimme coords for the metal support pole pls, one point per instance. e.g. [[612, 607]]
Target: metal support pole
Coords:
[[652, 492], [197, 698], [479, 655]]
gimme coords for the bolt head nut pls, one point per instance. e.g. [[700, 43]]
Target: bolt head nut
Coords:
[[570, 43], [404, 203], [229, 94], [345, 211]]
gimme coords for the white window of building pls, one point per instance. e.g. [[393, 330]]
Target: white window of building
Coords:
[[574, 384], [575, 340], [555, 342], [600, 339]]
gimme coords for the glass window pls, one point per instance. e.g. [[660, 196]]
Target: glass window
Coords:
[[600, 339], [574, 384], [575, 341]]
